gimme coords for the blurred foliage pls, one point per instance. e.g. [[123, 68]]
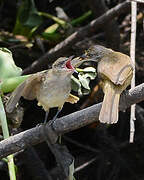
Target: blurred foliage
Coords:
[[54, 32], [8, 68], [29, 19], [10, 74]]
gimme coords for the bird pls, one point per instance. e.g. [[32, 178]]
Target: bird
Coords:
[[116, 71], [51, 87]]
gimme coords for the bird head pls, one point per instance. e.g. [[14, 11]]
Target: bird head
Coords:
[[63, 64], [95, 53]]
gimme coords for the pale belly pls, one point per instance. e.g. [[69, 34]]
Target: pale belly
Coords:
[[54, 95]]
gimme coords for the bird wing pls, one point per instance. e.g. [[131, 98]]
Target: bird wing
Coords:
[[14, 98], [117, 67], [31, 85], [27, 89]]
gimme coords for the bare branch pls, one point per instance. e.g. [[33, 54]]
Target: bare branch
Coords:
[[62, 47], [65, 124]]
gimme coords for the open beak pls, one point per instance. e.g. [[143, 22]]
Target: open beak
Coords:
[[69, 65], [71, 57], [75, 71]]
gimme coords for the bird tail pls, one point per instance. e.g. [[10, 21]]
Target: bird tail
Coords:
[[110, 105]]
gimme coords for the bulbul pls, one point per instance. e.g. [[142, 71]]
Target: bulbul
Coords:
[[116, 71], [51, 87]]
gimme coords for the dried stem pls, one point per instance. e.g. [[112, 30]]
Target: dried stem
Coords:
[[132, 55]]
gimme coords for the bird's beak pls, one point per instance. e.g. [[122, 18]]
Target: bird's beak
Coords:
[[85, 57], [75, 71], [70, 66], [71, 57]]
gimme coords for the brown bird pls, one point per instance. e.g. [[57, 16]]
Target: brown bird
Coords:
[[116, 71], [51, 87]]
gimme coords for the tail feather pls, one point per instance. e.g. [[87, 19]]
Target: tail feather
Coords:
[[109, 110]]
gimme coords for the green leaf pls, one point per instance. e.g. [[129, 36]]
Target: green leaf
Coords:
[[27, 19], [81, 85], [84, 81], [85, 91], [91, 76], [52, 29], [76, 85], [51, 37], [7, 65], [28, 14], [89, 69], [9, 84]]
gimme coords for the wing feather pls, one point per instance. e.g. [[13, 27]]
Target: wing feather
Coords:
[[117, 67], [14, 98], [27, 89]]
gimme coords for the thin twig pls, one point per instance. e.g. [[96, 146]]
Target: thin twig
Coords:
[[65, 124], [85, 164], [132, 55]]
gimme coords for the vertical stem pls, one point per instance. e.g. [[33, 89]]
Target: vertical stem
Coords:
[[5, 131], [132, 55], [3, 120], [11, 167]]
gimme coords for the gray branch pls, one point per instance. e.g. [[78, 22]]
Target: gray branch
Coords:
[[65, 124]]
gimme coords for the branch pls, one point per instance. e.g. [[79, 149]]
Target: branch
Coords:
[[65, 45], [65, 124]]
